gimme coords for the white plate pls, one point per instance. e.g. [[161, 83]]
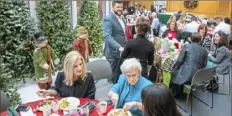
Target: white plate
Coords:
[[73, 103], [41, 108], [112, 111]]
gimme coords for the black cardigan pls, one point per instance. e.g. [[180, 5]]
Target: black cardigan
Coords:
[[142, 49], [79, 89]]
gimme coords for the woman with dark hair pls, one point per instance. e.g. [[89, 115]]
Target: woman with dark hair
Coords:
[[205, 39], [192, 58], [227, 20], [158, 100], [172, 31], [221, 56], [152, 8], [140, 47]]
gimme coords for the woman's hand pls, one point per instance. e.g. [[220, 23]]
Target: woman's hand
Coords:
[[209, 55], [129, 105], [114, 99], [44, 93]]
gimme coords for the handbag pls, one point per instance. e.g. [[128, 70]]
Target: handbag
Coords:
[[212, 85]]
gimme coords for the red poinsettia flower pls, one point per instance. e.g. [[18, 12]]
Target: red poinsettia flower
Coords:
[[177, 45]]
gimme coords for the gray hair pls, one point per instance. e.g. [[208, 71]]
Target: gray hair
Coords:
[[129, 64]]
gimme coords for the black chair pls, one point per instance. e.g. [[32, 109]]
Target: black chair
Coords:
[[4, 101], [102, 72], [201, 76]]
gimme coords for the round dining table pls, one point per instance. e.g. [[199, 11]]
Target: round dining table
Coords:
[[34, 105]]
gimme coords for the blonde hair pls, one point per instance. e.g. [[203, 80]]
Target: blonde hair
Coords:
[[69, 61]]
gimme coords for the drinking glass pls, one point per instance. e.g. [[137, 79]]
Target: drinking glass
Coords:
[[99, 111], [55, 108], [47, 111], [103, 106], [85, 111]]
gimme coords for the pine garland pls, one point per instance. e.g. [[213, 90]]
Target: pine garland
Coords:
[[89, 17]]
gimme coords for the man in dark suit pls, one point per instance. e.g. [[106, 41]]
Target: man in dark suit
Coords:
[[114, 36]]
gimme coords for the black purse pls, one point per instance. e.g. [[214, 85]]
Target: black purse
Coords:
[[212, 85]]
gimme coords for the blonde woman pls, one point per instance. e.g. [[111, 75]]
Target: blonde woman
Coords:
[[74, 81]]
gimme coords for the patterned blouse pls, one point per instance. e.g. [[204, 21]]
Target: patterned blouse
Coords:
[[206, 43]]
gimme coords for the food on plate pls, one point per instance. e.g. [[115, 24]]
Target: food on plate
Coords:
[[64, 104], [45, 103], [119, 112]]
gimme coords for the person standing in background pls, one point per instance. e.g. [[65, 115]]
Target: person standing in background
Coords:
[[114, 36], [140, 47], [131, 9], [192, 26], [221, 26]]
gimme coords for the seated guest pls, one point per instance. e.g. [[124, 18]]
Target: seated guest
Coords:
[[221, 57], [205, 39], [229, 38], [221, 26], [192, 26], [181, 23], [127, 91], [144, 54], [158, 100], [131, 9], [192, 58], [172, 18], [227, 20], [172, 31], [74, 81]]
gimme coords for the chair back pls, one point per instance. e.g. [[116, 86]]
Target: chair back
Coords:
[[100, 69], [4, 101], [203, 75]]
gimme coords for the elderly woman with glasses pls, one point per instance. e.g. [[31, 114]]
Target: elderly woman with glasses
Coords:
[[126, 93]]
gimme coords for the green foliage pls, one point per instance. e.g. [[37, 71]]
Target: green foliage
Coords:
[[15, 46], [8, 85], [54, 22], [89, 17]]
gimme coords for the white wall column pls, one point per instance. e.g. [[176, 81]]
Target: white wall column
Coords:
[[32, 6], [108, 7], [74, 14]]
